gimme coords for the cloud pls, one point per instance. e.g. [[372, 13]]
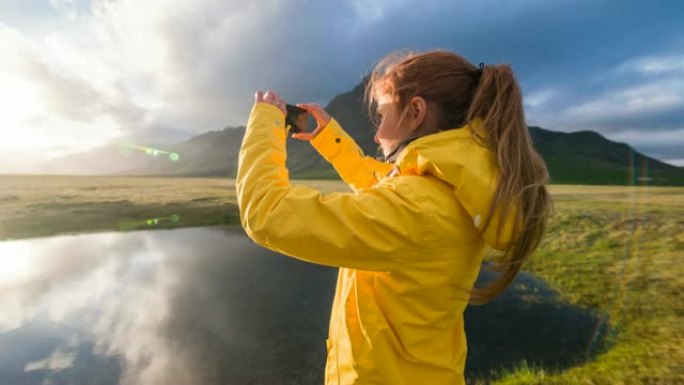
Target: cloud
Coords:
[[137, 67], [65, 7], [654, 65], [539, 98], [81, 101], [675, 161], [654, 100], [638, 101], [652, 138], [60, 95], [58, 360]]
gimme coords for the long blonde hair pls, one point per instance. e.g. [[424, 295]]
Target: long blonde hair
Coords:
[[464, 92]]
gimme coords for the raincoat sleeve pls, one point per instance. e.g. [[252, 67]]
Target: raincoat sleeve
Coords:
[[339, 148], [376, 229]]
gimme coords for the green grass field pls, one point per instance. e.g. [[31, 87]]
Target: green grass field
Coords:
[[616, 249]]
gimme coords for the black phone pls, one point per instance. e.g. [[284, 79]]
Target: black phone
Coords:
[[297, 118]]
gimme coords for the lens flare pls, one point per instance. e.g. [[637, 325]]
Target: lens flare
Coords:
[[628, 272], [128, 148], [127, 224]]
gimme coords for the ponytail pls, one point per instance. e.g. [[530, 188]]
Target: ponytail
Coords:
[[491, 93], [521, 191]]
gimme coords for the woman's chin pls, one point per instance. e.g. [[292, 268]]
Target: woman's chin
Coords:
[[386, 149]]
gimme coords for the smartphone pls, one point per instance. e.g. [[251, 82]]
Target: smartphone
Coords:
[[297, 118]]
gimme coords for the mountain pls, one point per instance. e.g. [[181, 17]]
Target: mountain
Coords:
[[214, 153], [583, 157], [586, 157], [101, 161]]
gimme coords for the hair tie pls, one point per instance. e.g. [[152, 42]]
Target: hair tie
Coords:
[[482, 65]]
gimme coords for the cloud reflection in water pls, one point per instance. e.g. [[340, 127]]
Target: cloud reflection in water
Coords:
[[190, 306]]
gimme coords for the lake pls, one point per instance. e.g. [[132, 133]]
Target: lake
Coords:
[[199, 305], [208, 306]]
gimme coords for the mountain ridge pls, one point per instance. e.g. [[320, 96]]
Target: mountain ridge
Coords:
[[581, 157]]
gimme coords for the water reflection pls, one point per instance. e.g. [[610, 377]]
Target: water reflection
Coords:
[[530, 323], [192, 306], [208, 306]]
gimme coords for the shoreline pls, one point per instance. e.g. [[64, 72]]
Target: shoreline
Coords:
[[38, 206]]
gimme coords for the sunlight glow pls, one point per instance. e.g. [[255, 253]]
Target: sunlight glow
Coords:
[[16, 261], [23, 98]]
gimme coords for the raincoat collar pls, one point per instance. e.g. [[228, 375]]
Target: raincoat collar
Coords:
[[392, 157], [456, 158], [438, 154]]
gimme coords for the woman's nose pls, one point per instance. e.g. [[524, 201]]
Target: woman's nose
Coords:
[[375, 138]]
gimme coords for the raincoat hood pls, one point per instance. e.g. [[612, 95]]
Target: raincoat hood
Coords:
[[454, 157]]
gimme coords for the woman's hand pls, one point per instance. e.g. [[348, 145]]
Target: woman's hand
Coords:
[[322, 119], [272, 98]]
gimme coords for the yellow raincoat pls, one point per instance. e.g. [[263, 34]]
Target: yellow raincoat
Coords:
[[408, 242]]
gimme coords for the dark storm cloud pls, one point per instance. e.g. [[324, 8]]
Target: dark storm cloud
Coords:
[[576, 52], [580, 63]]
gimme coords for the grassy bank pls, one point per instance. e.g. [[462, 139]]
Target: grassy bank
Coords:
[[37, 206], [614, 249], [617, 250]]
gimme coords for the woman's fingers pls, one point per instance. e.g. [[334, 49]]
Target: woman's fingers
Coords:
[[301, 136], [311, 107], [322, 118], [306, 136], [306, 106], [271, 97]]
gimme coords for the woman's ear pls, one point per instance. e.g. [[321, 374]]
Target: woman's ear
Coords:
[[418, 110]]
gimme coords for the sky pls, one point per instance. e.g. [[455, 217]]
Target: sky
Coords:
[[79, 74]]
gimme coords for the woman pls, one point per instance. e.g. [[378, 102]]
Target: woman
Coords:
[[460, 175]]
